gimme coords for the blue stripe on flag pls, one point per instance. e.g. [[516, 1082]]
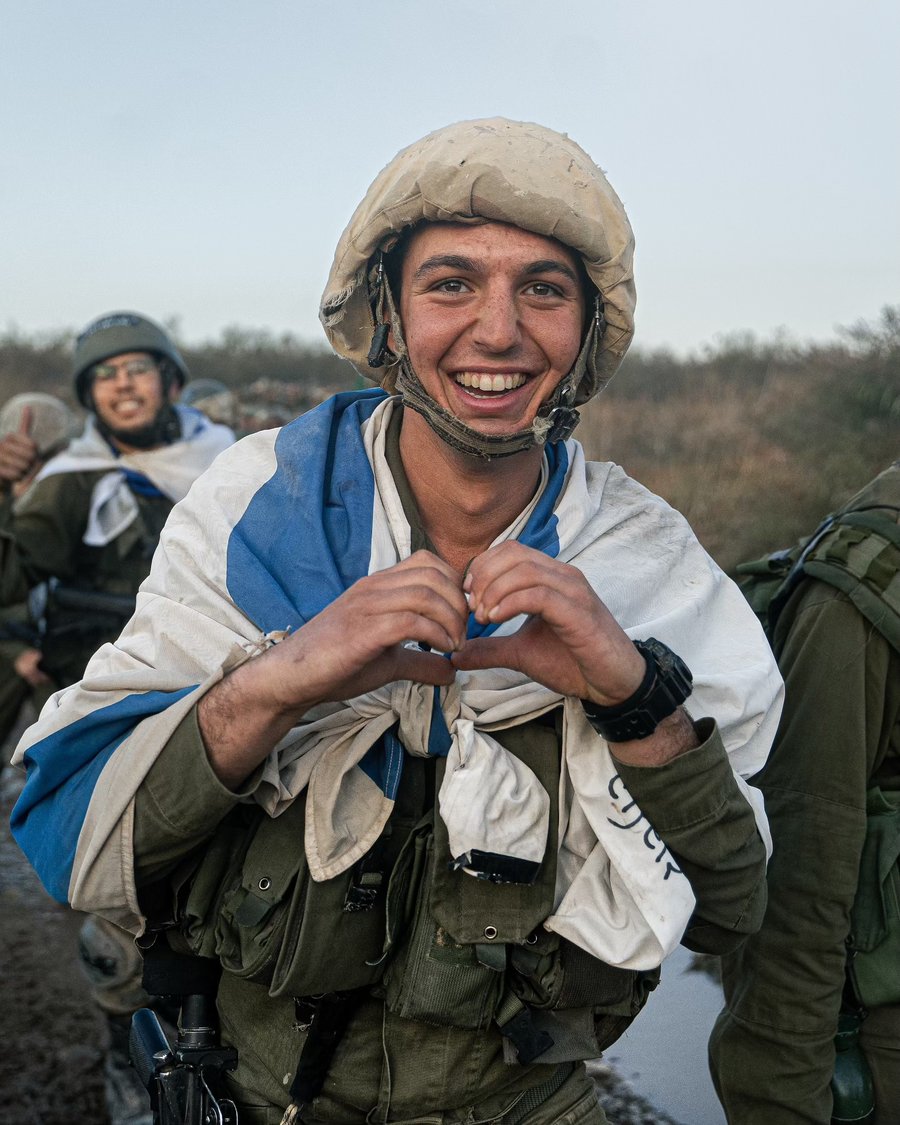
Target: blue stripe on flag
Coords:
[[383, 764], [439, 740], [62, 772], [541, 530], [306, 534]]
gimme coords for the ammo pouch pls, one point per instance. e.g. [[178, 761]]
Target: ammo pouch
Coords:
[[439, 945], [464, 952], [252, 904], [874, 964]]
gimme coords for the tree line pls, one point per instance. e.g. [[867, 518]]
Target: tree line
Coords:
[[752, 439]]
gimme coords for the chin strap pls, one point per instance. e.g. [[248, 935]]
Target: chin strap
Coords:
[[555, 420]]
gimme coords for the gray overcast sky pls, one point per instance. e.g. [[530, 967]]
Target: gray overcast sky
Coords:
[[200, 159]]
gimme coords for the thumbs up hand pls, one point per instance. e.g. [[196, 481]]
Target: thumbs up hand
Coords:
[[18, 451]]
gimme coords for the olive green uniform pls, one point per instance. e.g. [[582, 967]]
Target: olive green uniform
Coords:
[[772, 1050], [412, 1066], [43, 539], [391, 1068]]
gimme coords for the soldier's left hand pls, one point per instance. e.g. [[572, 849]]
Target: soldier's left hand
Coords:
[[28, 667], [570, 641]]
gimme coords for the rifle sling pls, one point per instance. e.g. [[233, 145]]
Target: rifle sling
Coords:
[[330, 1018]]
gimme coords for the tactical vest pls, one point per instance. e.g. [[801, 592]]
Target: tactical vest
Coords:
[[436, 944]]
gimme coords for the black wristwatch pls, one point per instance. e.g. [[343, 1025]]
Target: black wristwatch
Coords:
[[666, 685]]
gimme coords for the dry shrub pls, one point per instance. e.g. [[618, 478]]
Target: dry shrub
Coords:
[[753, 448], [753, 441]]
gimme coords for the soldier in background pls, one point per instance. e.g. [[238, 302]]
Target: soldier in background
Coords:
[[51, 425], [795, 990], [86, 531]]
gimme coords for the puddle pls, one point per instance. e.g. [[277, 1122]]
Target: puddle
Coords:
[[663, 1054]]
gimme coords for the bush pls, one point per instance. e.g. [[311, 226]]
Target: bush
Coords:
[[754, 441]]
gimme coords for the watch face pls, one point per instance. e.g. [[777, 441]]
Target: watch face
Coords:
[[668, 687], [672, 668]]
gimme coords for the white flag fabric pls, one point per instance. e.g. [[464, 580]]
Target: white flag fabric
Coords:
[[287, 521]]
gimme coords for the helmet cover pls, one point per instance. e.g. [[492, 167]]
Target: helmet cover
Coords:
[[492, 170]]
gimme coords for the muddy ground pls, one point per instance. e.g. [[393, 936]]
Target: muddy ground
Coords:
[[52, 1056], [52, 1037]]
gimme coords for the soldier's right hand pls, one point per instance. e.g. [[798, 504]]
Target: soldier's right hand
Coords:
[[19, 453], [392, 625]]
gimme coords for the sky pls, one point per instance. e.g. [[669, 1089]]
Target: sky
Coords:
[[198, 160]]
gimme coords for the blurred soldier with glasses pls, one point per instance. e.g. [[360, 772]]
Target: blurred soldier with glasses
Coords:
[[84, 536]]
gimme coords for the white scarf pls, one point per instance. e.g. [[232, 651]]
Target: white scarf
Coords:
[[288, 519], [171, 468]]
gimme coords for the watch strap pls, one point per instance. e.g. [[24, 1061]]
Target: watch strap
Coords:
[[666, 685]]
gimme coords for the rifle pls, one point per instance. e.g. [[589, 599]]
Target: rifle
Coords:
[[184, 1079], [93, 601]]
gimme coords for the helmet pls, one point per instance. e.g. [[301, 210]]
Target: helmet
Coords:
[[116, 333], [213, 398], [492, 170], [53, 424]]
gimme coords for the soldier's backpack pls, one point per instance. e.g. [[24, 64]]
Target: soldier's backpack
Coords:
[[856, 550]]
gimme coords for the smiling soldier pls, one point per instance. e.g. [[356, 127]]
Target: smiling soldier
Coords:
[[79, 544], [431, 733]]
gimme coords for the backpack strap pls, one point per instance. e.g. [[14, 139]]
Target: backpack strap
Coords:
[[858, 552], [860, 555]]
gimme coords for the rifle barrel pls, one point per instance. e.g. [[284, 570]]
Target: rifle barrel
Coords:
[[93, 601]]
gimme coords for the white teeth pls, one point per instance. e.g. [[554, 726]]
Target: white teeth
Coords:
[[478, 381]]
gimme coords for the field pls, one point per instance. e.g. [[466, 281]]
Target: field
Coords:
[[755, 443], [752, 441]]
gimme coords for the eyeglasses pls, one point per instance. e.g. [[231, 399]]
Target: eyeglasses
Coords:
[[134, 369]]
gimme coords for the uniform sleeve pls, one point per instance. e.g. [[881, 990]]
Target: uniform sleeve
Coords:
[[180, 803], [42, 536], [696, 806], [772, 1050]]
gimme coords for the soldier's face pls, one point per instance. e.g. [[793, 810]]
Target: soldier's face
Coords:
[[493, 317], [127, 392]]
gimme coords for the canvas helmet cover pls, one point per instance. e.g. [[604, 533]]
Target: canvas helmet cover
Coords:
[[492, 170], [116, 333]]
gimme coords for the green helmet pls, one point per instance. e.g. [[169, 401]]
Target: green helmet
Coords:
[[116, 333]]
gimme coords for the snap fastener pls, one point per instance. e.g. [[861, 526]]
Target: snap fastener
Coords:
[[264, 884], [531, 939], [490, 932]]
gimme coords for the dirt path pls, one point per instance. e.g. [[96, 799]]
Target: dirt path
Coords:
[[52, 1036]]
